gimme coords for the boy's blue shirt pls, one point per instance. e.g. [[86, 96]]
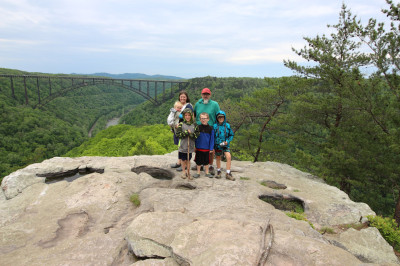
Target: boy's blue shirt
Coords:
[[205, 141]]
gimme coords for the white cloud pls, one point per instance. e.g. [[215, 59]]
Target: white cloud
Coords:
[[236, 32], [274, 54]]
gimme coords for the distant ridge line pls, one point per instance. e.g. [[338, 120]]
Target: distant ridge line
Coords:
[[133, 76]]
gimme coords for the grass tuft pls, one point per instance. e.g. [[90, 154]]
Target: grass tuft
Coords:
[[135, 199]]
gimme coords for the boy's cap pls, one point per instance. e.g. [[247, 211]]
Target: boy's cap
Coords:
[[206, 90], [221, 113], [187, 110]]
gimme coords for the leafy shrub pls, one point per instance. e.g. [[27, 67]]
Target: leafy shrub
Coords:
[[388, 229]]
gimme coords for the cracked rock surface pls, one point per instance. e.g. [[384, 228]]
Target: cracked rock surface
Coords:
[[206, 221]]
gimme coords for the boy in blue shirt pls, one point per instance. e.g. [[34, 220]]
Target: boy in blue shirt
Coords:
[[204, 144], [223, 137]]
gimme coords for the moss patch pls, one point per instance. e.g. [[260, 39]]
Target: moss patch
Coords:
[[134, 198]]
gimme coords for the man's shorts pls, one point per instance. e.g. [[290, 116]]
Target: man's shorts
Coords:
[[220, 152], [183, 156], [202, 157]]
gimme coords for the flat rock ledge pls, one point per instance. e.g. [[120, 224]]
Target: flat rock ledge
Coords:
[[46, 219]]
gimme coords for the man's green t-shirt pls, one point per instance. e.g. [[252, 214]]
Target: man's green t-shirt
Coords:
[[211, 108]]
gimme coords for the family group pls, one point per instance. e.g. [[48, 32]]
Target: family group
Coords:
[[203, 130]]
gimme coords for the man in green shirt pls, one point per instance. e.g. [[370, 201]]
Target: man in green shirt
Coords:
[[206, 105]]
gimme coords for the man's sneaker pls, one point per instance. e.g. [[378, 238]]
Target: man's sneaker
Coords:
[[229, 176], [196, 175], [211, 170], [179, 169], [218, 175], [209, 175], [175, 165]]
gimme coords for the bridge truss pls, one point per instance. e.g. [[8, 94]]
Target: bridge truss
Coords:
[[149, 89]]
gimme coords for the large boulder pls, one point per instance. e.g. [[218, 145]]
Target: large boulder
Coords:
[[90, 219]]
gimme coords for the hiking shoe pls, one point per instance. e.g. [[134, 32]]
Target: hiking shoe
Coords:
[[218, 175], [175, 165], [211, 170], [209, 175], [229, 176], [196, 175], [179, 169], [183, 175]]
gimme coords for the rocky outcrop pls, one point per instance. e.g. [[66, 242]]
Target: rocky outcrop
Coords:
[[91, 221]]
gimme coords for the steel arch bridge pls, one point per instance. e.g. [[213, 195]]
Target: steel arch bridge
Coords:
[[149, 89]]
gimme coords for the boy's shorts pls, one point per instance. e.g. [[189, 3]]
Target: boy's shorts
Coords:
[[202, 157], [220, 152], [183, 156]]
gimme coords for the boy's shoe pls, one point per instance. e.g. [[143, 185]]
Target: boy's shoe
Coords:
[[209, 175], [196, 175], [179, 169], [183, 175], [175, 165], [218, 175], [229, 176], [211, 170]]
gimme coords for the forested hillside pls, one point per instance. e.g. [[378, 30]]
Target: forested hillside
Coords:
[[29, 135]]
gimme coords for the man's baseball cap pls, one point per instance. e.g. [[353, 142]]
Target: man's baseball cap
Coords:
[[206, 90]]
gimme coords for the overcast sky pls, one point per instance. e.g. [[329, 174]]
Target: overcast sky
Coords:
[[222, 38]]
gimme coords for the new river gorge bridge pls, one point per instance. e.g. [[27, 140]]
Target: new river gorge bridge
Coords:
[[44, 89]]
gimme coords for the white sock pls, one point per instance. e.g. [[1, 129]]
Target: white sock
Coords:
[[228, 171], [219, 169]]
